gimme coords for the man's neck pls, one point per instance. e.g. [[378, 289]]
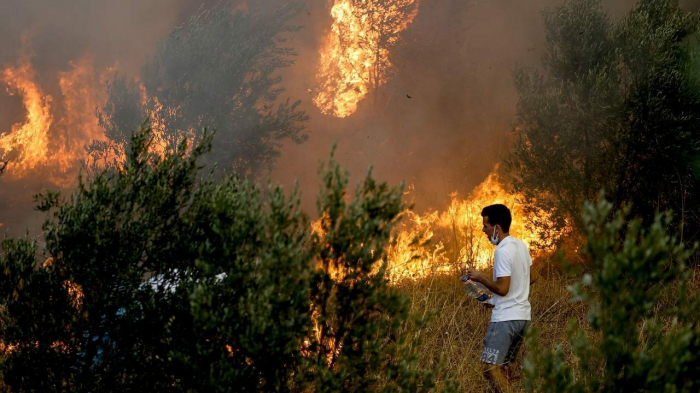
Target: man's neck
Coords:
[[502, 236]]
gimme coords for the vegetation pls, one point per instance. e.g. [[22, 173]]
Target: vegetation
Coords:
[[160, 281], [615, 109], [630, 323], [219, 71], [643, 314], [456, 333], [355, 59], [160, 276]]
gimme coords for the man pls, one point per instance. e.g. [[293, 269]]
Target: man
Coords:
[[511, 288]]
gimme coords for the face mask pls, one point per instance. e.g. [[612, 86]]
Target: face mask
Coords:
[[494, 238]]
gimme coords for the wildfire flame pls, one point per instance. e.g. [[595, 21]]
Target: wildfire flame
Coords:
[[39, 142], [445, 242], [57, 148], [81, 95], [355, 56], [27, 143], [450, 240]]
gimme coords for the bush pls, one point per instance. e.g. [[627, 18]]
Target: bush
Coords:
[[162, 279], [644, 319]]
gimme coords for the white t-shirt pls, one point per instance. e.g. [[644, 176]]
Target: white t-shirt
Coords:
[[512, 258]]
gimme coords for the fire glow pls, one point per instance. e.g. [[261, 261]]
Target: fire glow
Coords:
[[445, 242], [356, 53], [27, 144], [448, 241], [51, 138]]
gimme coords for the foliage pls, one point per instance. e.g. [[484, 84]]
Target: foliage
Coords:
[[160, 279], [643, 316], [615, 108], [218, 71], [354, 336]]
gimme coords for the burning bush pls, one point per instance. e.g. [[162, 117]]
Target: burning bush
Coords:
[[190, 284], [448, 241], [220, 71], [355, 57]]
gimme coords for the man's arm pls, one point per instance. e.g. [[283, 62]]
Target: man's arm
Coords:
[[500, 287]]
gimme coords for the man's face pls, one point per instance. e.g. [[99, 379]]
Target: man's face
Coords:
[[488, 229]]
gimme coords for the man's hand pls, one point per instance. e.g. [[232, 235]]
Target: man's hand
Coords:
[[500, 287], [477, 276]]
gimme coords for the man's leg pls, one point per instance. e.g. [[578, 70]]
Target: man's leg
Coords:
[[509, 367], [495, 374], [500, 343]]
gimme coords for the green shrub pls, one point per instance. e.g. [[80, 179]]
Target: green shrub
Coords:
[[187, 284], [644, 320]]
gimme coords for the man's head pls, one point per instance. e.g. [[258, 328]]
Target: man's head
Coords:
[[497, 220]]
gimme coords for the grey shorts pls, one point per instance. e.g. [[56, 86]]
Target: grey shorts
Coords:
[[503, 340]]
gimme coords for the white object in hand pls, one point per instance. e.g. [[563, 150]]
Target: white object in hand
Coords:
[[477, 290]]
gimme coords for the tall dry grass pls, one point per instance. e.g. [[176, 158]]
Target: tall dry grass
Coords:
[[456, 330], [457, 324]]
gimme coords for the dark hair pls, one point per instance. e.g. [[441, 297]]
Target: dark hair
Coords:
[[498, 215]]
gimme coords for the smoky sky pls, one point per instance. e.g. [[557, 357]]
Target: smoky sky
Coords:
[[455, 62], [55, 33]]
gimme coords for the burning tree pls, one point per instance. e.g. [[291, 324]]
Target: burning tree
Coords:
[[219, 71], [616, 109], [355, 60]]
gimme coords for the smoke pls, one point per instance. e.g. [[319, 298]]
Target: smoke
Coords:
[[446, 115], [69, 46], [443, 119]]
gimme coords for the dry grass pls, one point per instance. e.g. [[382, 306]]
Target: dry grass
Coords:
[[457, 328]]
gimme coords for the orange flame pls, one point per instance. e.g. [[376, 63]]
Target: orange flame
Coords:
[[445, 242], [451, 240], [79, 125], [26, 145], [57, 148], [356, 53], [40, 143], [439, 242], [160, 141]]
